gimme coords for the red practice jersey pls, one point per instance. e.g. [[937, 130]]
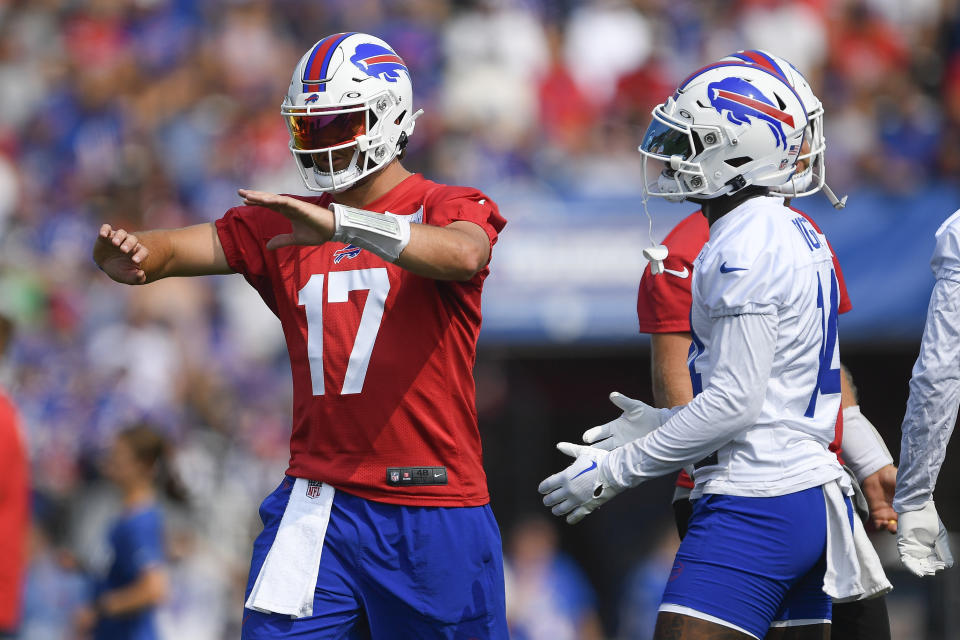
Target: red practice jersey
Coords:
[[14, 514], [663, 301], [382, 359]]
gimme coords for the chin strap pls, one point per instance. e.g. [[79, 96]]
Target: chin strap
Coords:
[[655, 253], [838, 203]]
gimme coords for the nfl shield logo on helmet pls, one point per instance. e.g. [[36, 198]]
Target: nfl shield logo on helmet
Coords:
[[313, 488]]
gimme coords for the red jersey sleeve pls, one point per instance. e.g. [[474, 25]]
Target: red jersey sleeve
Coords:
[[243, 233], [663, 301], [845, 304], [449, 204]]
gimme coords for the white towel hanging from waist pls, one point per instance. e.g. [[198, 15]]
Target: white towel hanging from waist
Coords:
[[853, 571], [288, 578]]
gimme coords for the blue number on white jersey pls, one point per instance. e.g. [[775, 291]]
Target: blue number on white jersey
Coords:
[[828, 379], [696, 349]]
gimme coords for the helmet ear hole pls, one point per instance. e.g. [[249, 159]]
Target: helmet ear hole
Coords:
[[738, 161], [697, 144], [400, 117]]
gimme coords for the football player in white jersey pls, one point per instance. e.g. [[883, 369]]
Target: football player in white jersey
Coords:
[[765, 372], [663, 308], [931, 414]]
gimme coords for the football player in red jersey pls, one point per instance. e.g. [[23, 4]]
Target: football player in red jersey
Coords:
[[382, 527], [663, 310]]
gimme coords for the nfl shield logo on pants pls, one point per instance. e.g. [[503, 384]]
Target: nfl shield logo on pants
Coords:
[[313, 488]]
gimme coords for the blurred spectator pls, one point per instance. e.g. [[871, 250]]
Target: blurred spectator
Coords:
[[604, 40], [14, 501], [643, 588], [864, 49], [55, 590], [126, 598], [766, 23], [548, 597]]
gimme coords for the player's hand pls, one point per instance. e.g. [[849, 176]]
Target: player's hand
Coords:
[[120, 255], [878, 488], [923, 541], [637, 420], [312, 224], [577, 490]]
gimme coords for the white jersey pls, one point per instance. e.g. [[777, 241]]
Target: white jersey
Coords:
[[763, 258], [764, 364], [935, 383]]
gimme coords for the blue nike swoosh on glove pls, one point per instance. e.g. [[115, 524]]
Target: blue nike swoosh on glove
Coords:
[[593, 465], [725, 269]]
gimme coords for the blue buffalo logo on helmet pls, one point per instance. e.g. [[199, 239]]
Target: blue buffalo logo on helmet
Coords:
[[378, 62], [743, 101]]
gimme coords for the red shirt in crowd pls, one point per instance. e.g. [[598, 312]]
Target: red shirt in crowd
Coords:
[[14, 514]]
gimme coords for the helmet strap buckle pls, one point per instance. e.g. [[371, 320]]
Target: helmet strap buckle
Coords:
[[736, 183]]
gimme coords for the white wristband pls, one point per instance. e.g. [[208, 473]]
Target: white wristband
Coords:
[[384, 234], [863, 449]]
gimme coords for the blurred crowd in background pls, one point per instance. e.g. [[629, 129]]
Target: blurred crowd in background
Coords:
[[151, 113]]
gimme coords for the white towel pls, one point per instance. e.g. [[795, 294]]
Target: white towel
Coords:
[[872, 578], [288, 578], [853, 571]]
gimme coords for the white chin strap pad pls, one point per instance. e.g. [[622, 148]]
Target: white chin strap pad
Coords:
[[655, 256], [384, 234]]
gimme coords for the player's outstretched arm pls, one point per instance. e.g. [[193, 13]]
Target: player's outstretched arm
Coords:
[[454, 252], [145, 256]]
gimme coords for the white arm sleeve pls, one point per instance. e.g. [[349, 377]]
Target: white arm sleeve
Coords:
[[731, 403], [864, 450], [933, 402]]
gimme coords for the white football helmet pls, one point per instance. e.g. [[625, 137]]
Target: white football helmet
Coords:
[[349, 110], [728, 125], [814, 175]]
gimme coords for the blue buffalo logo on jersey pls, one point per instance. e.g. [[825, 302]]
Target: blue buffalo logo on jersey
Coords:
[[378, 62], [742, 101], [348, 251]]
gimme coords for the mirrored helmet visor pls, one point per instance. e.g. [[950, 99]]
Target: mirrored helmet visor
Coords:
[[319, 130], [665, 140]]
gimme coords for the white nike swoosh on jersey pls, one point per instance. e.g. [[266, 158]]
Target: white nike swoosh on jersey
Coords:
[[679, 274]]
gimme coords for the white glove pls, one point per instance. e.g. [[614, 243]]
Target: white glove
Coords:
[[577, 490], [923, 542], [637, 420]]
